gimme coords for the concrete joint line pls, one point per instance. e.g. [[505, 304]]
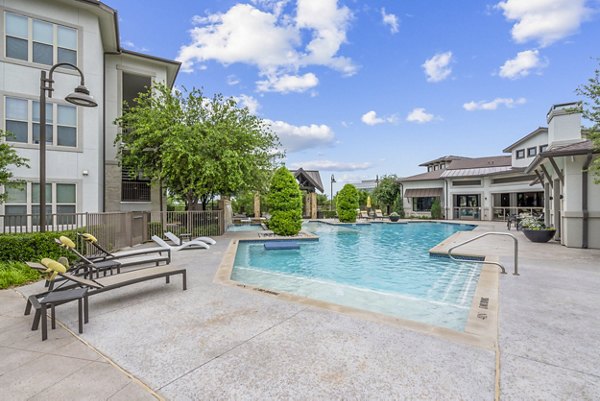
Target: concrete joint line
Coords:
[[555, 366]]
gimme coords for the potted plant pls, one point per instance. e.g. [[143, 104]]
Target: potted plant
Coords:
[[394, 217], [536, 231]]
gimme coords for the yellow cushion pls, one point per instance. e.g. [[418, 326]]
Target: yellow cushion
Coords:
[[67, 242], [89, 237], [53, 268]]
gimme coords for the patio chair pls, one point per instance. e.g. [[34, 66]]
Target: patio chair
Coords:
[[364, 215], [186, 245], [128, 258], [179, 241], [84, 264], [379, 214]]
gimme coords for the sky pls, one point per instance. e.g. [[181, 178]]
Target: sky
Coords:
[[361, 89]]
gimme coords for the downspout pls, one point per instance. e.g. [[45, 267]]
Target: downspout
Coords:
[[446, 200], [584, 202], [104, 132]]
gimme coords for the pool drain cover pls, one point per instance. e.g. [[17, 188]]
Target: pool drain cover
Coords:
[[483, 304]]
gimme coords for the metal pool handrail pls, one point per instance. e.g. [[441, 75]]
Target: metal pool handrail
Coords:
[[516, 256]]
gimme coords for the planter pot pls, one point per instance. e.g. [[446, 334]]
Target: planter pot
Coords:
[[539, 235], [394, 218]]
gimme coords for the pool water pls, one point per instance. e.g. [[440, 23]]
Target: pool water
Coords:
[[245, 227], [384, 268]]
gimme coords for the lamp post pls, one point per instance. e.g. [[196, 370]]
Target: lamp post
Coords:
[[332, 182], [79, 97]]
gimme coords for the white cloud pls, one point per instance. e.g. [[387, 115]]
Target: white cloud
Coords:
[[544, 21], [288, 83], [330, 165], [437, 68], [279, 44], [419, 115], [248, 101], [295, 138], [391, 20], [371, 118], [494, 104], [232, 80], [521, 65], [131, 46]]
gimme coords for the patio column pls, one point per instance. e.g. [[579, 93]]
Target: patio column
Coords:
[[547, 203], [257, 205], [556, 207], [313, 205], [225, 206]]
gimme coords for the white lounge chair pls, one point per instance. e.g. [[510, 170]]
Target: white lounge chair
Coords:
[[185, 245], [178, 241]]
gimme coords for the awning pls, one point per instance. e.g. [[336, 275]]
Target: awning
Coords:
[[423, 192]]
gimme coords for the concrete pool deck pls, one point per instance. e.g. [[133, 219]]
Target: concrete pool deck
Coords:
[[220, 342]]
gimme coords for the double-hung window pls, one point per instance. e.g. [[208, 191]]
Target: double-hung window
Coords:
[[38, 41], [61, 122]]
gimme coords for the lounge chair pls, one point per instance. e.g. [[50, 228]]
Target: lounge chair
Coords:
[[84, 264], [379, 214], [265, 231], [364, 215], [99, 285], [128, 258], [178, 241], [185, 245]]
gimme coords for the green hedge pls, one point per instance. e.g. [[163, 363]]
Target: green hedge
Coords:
[[29, 247]]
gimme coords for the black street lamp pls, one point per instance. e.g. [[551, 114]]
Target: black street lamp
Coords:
[[332, 182], [79, 97]]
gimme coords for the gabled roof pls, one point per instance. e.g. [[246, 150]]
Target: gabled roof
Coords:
[[428, 176], [312, 176], [448, 158], [537, 131], [480, 162]]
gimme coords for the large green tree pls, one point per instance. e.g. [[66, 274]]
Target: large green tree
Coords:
[[591, 111], [387, 191], [196, 146], [347, 203], [8, 158]]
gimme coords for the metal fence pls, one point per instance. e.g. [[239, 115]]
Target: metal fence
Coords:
[[115, 230]]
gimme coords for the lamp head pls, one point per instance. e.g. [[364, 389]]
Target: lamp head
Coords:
[[81, 97]]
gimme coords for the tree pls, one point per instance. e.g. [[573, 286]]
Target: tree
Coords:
[[197, 147], [347, 203], [387, 192], [362, 197], [436, 209], [285, 199], [8, 157], [591, 111]]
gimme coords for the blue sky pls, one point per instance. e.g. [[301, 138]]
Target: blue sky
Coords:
[[360, 88]]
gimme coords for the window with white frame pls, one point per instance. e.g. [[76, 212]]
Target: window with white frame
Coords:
[[61, 198], [38, 41], [61, 122]]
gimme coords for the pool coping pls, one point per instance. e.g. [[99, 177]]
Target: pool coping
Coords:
[[481, 329]]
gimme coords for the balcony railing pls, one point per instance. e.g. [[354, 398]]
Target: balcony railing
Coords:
[[135, 191], [503, 213]]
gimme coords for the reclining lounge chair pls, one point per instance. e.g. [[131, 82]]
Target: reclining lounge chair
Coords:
[[154, 255], [186, 245], [178, 241]]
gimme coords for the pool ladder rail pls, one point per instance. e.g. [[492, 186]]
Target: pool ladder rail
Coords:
[[516, 251]]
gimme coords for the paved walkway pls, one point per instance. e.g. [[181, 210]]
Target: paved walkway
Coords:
[[220, 342], [61, 368]]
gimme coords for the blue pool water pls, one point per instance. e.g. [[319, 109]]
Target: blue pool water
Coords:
[[245, 227], [384, 268]]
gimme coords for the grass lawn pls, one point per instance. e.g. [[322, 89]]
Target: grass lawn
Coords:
[[16, 273]]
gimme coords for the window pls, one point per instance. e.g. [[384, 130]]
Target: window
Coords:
[[46, 43], [60, 119], [543, 148], [61, 198], [531, 152], [466, 183], [423, 204], [429, 168], [435, 167], [521, 154]]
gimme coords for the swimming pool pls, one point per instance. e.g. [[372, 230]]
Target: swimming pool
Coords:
[[384, 268]]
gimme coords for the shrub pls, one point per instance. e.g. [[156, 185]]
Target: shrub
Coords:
[[347, 203], [328, 214], [29, 247], [436, 209], [285, 199], [399, 207]]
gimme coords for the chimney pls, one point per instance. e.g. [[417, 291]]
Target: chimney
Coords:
[[564, 123]]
